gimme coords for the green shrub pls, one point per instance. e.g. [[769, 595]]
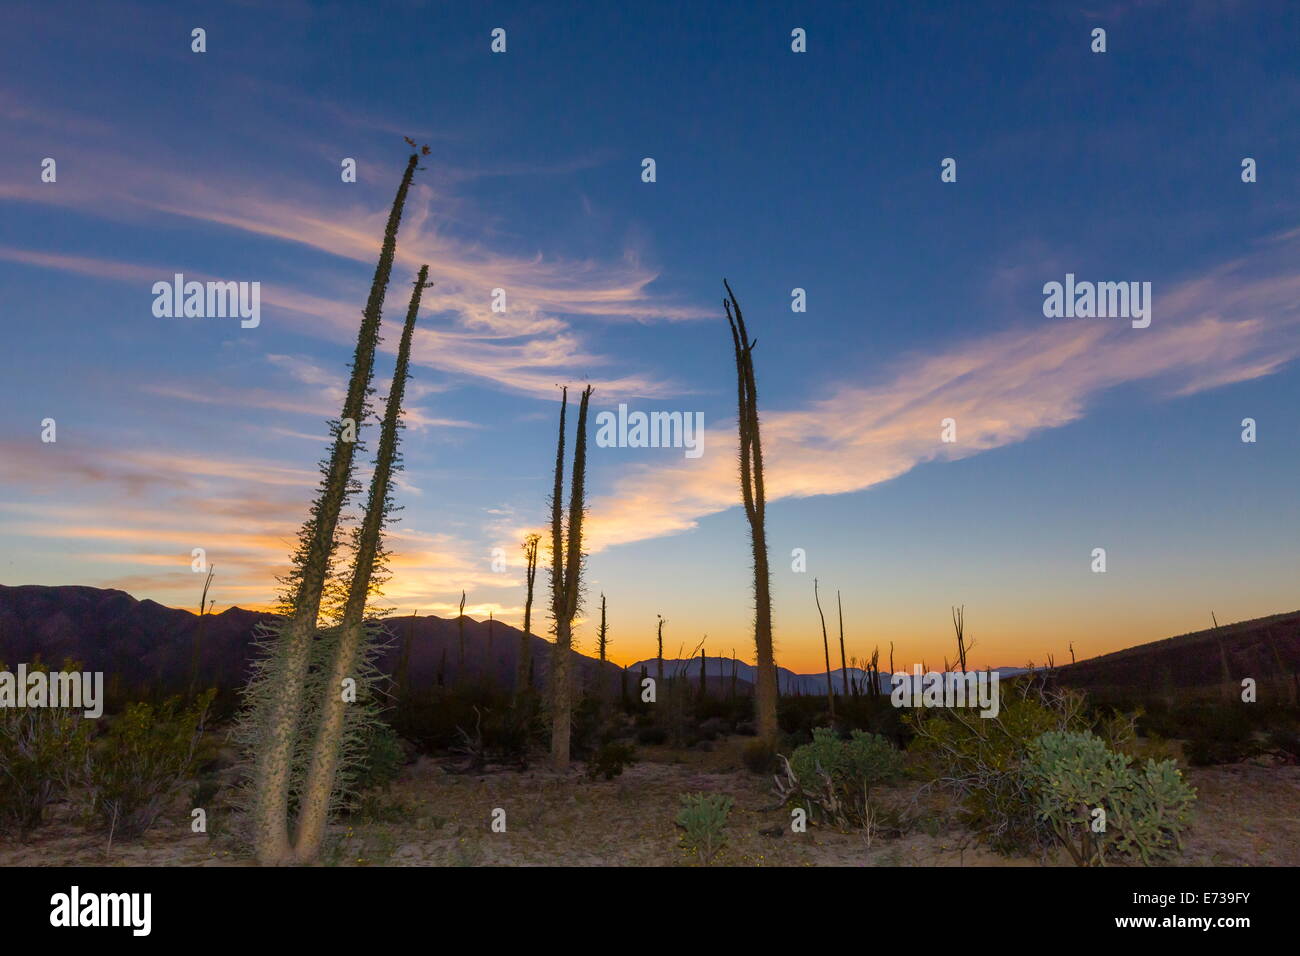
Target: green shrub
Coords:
[[1095, 801], [610, 759], [384, 758], [511, 731], [42, 750], [832, 778], [704, 818], [978, 760], [141, 764]]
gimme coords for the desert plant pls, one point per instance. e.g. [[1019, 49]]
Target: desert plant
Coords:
[[205, 608], [272, 724], [704, 818], [460, 635], [755, 500], [826, 649], [832, 778], [844, 666], [978, 760], [383, 756], [42, 749], [602, 636], [1095, 801], [522, 665], [610, 760], [130, 776], [511, 731], [659, 656], [566, 575], [367, 570]]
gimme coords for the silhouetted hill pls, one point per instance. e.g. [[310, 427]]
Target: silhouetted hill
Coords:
[[149, 644], [1266, 648], [110, 631]]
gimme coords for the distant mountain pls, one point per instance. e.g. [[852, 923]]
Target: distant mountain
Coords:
[[719, 671], [149, 644], [110, 631]]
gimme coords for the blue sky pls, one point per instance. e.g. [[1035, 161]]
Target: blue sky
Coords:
[[777, 170]]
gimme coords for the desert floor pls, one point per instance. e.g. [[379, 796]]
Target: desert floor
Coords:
[[1246, 815]]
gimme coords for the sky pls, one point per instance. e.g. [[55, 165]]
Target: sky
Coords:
[[778, 170]]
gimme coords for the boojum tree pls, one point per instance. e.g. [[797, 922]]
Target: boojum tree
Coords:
[[659, 656], [274, 700], [460, 631], [566, 575], [844, 666], [524, 662], [826, 648], [755, 500], [602, 637], [367, 566]]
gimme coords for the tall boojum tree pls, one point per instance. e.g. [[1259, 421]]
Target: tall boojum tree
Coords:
[[274, 716], [367, 564], [754, 497], [566, 574]]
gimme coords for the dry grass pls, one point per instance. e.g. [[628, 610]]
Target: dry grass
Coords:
[[1246, 815]]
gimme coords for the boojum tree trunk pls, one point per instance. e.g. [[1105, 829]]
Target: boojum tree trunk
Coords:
[[755, 500], [826, 647], [659, 659], [566, 578], [322, 770], [278, 727], [460, 631], [844, 667], [602, 639], [523, 665]]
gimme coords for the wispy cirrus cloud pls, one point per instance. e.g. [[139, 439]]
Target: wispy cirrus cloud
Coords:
[[1238, 322], [537, 341]]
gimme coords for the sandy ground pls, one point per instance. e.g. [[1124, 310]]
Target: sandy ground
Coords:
[[1246, 815]]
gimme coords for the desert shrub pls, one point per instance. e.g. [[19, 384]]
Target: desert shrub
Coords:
[[1095, 801], [978, 760], [383, 758], [587, 724], [759, 755], [41, 751], [1215, 732], [676, 713], [142, 762], [704, 818], [832, 778], [610, 759], [510, 732]]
